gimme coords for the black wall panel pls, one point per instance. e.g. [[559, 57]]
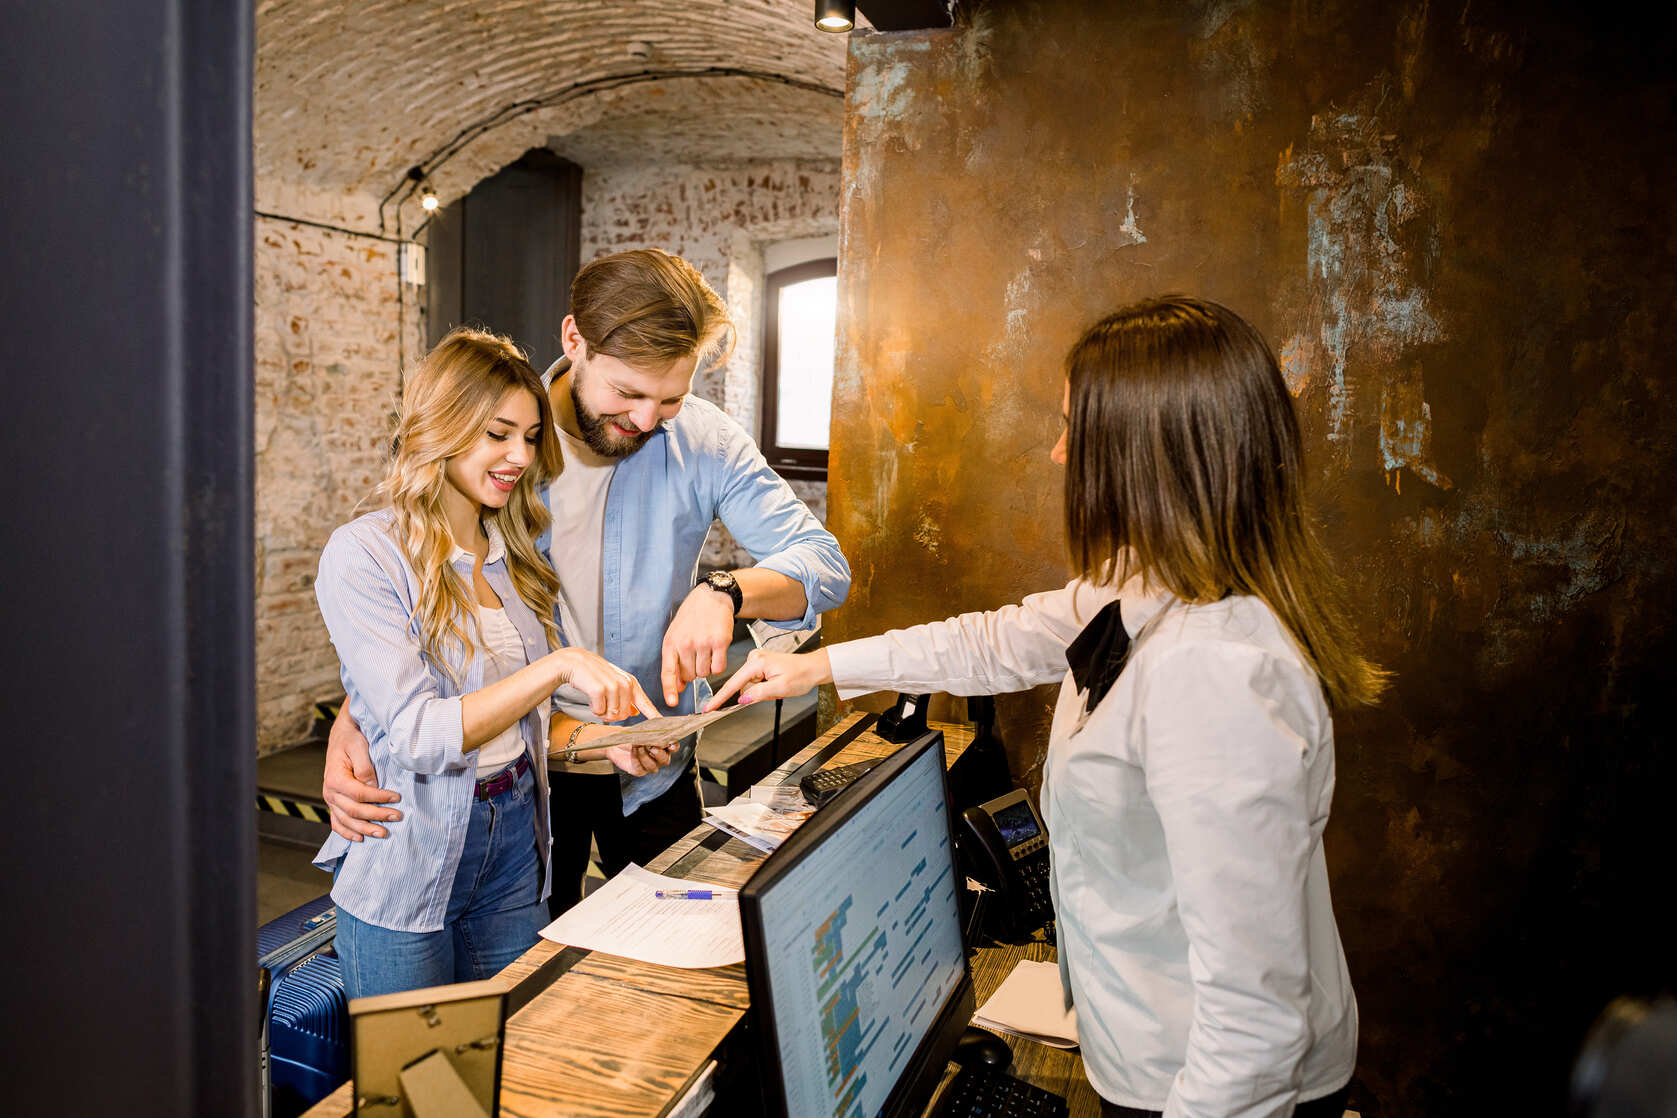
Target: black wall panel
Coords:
[[128, 892], [504, 255]]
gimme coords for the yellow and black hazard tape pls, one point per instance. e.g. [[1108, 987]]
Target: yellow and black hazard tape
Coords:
[[279, 805], [325, 713]]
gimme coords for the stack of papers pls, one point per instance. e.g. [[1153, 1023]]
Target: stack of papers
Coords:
[[1031, 1004], [764, 816], [626, 917]]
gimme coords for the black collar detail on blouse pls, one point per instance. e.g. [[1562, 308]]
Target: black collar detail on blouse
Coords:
[[1096, 657]]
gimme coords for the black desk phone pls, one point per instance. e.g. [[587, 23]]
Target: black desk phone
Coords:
[[1006, 847]]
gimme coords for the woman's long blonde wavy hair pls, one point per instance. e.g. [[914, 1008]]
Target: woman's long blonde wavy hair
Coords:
[[448, 402], [1184, 464]]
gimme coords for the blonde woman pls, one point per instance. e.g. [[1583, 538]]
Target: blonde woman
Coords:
[[441, 610], [1190, 762]]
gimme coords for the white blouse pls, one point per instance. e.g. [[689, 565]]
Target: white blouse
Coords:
[[505, 656], [1185, 816]]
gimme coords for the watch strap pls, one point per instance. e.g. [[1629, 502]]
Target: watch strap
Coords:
[[724, 583]]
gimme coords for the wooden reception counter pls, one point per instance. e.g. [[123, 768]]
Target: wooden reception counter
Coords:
[[591, 1035]]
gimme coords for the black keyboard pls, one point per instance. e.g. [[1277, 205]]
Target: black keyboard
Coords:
[[819, 787], [987, 1093]]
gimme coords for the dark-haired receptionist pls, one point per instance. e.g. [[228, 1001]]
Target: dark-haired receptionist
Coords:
[[1190, 766]]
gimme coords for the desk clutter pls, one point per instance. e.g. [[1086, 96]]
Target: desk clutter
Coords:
[[763, 816], [1030, 1003], [647, 916], [639, 1007]]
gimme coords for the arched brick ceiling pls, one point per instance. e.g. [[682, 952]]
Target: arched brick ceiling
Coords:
[[349, 95], [710, 120]]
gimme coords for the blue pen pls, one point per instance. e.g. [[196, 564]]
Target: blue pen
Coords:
[[691, 894]]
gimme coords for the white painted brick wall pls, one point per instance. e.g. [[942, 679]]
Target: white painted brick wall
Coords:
[[326, 384], [719, 219]]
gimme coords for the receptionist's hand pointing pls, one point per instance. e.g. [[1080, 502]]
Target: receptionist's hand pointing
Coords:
[[775, 675]]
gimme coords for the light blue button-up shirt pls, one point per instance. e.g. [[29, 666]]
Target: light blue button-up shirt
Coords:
[[697, 467], [410, 712]]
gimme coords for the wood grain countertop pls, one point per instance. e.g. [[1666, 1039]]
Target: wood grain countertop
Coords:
[[593, 1035]]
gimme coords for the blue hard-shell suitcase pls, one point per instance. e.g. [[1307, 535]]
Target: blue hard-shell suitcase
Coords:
[[305, 1020]]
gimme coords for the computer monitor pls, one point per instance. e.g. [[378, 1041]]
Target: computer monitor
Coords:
[[858, 974]]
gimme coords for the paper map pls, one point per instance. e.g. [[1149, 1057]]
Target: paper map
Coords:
[[657, 731]]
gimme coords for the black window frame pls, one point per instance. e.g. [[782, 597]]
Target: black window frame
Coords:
[[789, 462]]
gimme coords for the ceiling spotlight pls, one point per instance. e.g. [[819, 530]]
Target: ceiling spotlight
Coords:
[[835, 15]]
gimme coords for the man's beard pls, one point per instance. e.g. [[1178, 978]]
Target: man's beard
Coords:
[[595, 431]]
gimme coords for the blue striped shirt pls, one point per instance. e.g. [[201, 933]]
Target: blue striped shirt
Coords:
[[697, 467], [410, 711]]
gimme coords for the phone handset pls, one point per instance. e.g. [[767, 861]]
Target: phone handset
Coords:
[[1006, 846]]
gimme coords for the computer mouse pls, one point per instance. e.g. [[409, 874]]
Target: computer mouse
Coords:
[[980, 1048]]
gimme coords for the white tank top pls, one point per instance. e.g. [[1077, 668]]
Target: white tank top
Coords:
[[577, 499], [506, 655]]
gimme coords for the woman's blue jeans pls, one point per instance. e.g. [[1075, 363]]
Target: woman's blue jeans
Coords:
[[495, 911]]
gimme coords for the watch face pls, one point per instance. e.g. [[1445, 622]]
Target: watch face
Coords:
[[724, 583]]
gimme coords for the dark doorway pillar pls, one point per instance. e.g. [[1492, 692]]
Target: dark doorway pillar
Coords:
[[129, 941], [505, 254]]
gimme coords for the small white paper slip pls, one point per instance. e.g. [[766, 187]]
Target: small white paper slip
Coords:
[[624, 917], [756, 823], [766, 845], [777, 797], [1029, 1004]]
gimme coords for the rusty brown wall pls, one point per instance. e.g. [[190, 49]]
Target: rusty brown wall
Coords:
[[1453, 221]]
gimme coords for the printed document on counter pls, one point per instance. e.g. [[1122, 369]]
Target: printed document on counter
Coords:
[[625, 917]]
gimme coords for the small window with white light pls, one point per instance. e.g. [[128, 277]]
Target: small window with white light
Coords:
[[800, 315]]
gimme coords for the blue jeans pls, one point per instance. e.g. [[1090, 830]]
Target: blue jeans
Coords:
[[495, 911]]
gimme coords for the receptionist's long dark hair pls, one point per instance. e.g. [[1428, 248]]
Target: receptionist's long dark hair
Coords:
[[1184, 463]]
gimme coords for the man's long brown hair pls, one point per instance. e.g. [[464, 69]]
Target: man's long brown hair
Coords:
[[1184, 464]]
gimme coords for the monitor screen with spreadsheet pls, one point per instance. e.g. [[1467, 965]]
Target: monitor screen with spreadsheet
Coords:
[[858, 974]]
